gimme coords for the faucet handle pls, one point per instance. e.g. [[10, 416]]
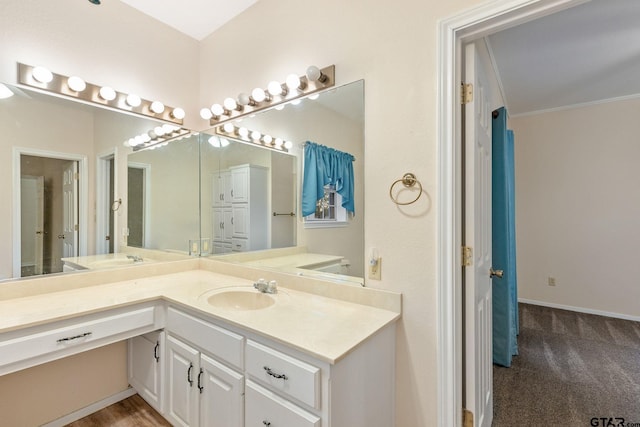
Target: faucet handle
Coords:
[[272, 287], [261, 284]]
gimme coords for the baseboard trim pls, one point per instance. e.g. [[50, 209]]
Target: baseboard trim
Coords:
[[94, 407], [580, 309]]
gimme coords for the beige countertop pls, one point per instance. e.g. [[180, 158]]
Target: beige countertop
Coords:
[[94, 262], [309, 316]]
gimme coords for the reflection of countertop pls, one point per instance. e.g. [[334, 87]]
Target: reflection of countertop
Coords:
[[325, 320], [94, 262]]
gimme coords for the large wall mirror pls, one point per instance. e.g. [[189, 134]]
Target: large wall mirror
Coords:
[[164, 199]]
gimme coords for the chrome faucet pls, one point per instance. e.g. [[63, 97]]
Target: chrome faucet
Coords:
[[266, 288], [135, 258]]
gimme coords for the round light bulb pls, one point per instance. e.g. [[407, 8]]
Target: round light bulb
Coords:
[[5, 92], [76, 84], [152, 134], [138, 140], [145, 137], [133, 100], [275, 88], [258, 95], [278, 142], [217, 109], [255, 135], [243, 132], [293, 82], [42, 74], [178, 113], [131, 142], [168, 128], [107, 93], [224, 142], [314, 73], [288, 145], [267, 139], [244, 99], [230, 104], [214, 141], [159, 130], [157, 107], [206, 113], [228, 127]]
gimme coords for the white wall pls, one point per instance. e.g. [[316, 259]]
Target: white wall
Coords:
[[393, 47], [577, 206]]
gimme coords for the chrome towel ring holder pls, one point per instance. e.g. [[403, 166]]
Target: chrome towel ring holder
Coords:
[[408, 180]]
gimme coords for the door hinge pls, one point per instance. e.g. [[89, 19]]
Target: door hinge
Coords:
[[467, 418], [466, 93], [75, 227], [467, 256], [76, 176]]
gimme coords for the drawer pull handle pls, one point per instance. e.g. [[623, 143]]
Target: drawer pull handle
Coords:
[[267, 423], [67, 339], [200, 386], [155, 352], [189, 375], [274, 375]]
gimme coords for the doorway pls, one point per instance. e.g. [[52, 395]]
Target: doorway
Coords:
[[454, 33], [49, 210], [105, 197], [139, 199]]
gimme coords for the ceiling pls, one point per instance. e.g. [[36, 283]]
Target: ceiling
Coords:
[[585, 54], [195, 18]]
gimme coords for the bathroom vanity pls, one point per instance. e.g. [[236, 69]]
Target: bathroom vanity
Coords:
[[207, 349]]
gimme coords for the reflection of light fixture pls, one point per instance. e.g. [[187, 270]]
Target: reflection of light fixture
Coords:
[[5, 92], [243, 132], [280, 107], [278, 142], [159, 130], [288, 145], [295, 102], [255, 135], [133, 100], [224, 142], [276, 94], [157, 137], [43, 75], [267, 139], [314, 96], [251, 136], [229, 128], [74, 87], [107, 93], [76, 83], [214, 141]]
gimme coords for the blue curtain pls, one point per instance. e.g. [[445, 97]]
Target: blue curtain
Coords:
[[326, 166], [505, 289]]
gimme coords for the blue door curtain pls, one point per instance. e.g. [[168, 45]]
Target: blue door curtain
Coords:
[[505, 289]]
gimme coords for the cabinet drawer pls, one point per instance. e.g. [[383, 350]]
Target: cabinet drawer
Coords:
[[264, 408], [284, 373], [83, 330], [215, 340], [239, 245]]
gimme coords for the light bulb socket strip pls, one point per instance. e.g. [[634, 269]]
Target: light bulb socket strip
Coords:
[[157, 141], [91, 94], [246, 137], [306, 88]]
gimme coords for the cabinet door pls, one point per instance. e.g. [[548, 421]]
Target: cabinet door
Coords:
[[218, 224], [240, 185], [145, 367], [182, 391], [227, 229], [265, 408], [221, 188], [240, 221], [222, 395]]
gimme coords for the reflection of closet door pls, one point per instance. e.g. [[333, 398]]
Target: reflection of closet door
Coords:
[[32, 208], [240, 221], [240, 184], [70, 210], [221, 195]]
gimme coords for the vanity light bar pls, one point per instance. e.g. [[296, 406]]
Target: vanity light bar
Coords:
[[295, 87], [254, 137], [75, 87], [157, 137]]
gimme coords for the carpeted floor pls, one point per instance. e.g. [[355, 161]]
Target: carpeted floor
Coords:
[[572, 367]]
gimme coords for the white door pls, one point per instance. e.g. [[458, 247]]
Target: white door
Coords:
[[477, 231], [221, 395], [32, 211], [70, 210], [182, 390]]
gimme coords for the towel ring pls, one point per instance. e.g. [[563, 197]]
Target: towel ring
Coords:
[[408, 180]]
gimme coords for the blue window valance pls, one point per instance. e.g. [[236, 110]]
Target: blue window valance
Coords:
[[326, 166]]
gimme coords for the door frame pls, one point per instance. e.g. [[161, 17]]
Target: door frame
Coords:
[[453, 32], [102, 199], [146, 168], [83, 205]]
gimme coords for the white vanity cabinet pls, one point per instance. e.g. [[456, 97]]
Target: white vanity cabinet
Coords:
[[204, 386], [146, 367]]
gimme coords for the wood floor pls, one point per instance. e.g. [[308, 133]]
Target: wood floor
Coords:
[[127, 413]]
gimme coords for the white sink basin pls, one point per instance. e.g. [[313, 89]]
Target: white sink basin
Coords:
[[239, 299]]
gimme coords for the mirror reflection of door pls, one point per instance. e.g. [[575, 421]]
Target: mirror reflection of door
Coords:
[[283, 178], [59, 207], [32, 208], [136, 193]]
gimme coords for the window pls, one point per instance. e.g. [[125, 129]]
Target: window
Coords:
[[329, 211]]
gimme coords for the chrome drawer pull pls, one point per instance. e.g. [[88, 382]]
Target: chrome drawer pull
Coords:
[[63, 340], [273, 374]]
